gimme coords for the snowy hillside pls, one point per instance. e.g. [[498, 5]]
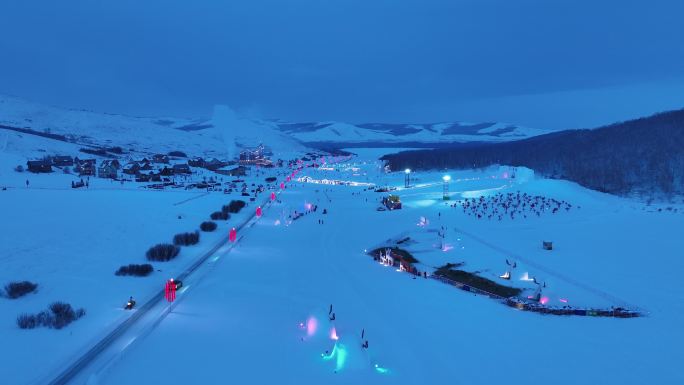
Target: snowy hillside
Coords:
[[196, 137], [380, 133]]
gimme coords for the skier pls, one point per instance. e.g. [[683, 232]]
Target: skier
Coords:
[[331, 314], [365, 342]]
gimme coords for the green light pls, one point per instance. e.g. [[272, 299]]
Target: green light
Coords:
[[340, 353], [341, 358], [381, 370], [330, 356]]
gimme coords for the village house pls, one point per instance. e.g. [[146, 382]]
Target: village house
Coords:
[[145, 165], [166, 171], [181, 169], [196, 162], [84, 167], [214, 164], [39, 166], [132, 168], [263, 163], [60, 160], [160, 158], [148, 176], [232, 170], [109, 169]]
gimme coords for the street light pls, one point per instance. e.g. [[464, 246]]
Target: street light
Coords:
[[407, 178], [445, 194]]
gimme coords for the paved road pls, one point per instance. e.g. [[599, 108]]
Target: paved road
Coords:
[[149, 313]]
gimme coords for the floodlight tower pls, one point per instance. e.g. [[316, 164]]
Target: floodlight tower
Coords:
[[445, 194], [407, 178]]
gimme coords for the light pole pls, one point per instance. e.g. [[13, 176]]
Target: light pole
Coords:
[[407, 178], [445, 194]]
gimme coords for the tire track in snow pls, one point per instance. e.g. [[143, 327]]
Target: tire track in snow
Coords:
[[553, 273]]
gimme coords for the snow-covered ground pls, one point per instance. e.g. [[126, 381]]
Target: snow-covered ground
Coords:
[[219, 136], [261, 316], [71, 241]]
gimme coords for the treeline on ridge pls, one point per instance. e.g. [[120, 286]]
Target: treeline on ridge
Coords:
[[640, 156]]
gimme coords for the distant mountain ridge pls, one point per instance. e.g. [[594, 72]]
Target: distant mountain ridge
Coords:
[[206, 136], [392, 133]]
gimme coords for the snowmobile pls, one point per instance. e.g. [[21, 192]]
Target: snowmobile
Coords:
[[130, 304]]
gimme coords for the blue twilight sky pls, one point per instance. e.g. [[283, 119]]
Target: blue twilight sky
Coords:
[[541, 63]]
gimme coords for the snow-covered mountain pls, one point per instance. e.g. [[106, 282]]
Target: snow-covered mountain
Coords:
[[431, 133], [225, 133], [220, 136]]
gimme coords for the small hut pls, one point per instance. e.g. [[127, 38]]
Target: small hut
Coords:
[[39, 166]]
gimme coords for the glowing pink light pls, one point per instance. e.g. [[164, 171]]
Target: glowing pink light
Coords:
[[258, 212], [544, 300], [563, 300], [333, 334], [273, 196], [446, 248], [311, 326]]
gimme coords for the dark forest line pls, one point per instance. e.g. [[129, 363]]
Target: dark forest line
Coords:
[[640, 156]]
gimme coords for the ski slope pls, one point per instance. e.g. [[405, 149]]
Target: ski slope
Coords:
[[243, 322]]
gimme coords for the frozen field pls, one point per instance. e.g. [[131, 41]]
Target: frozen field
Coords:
[[242, 323], [71, 242]]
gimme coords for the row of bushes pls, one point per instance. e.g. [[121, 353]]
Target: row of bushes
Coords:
[[234, 206], [165, 252], [58, 315], [162, 252], [186, 239], [220, 216], [137, 270], [208, 226], [18, 289]]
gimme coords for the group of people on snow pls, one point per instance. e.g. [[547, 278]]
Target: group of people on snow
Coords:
[[500, 206]]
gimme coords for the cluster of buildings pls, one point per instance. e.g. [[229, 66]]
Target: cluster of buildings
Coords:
[[257, 156], [144, 169], [152, 169]]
